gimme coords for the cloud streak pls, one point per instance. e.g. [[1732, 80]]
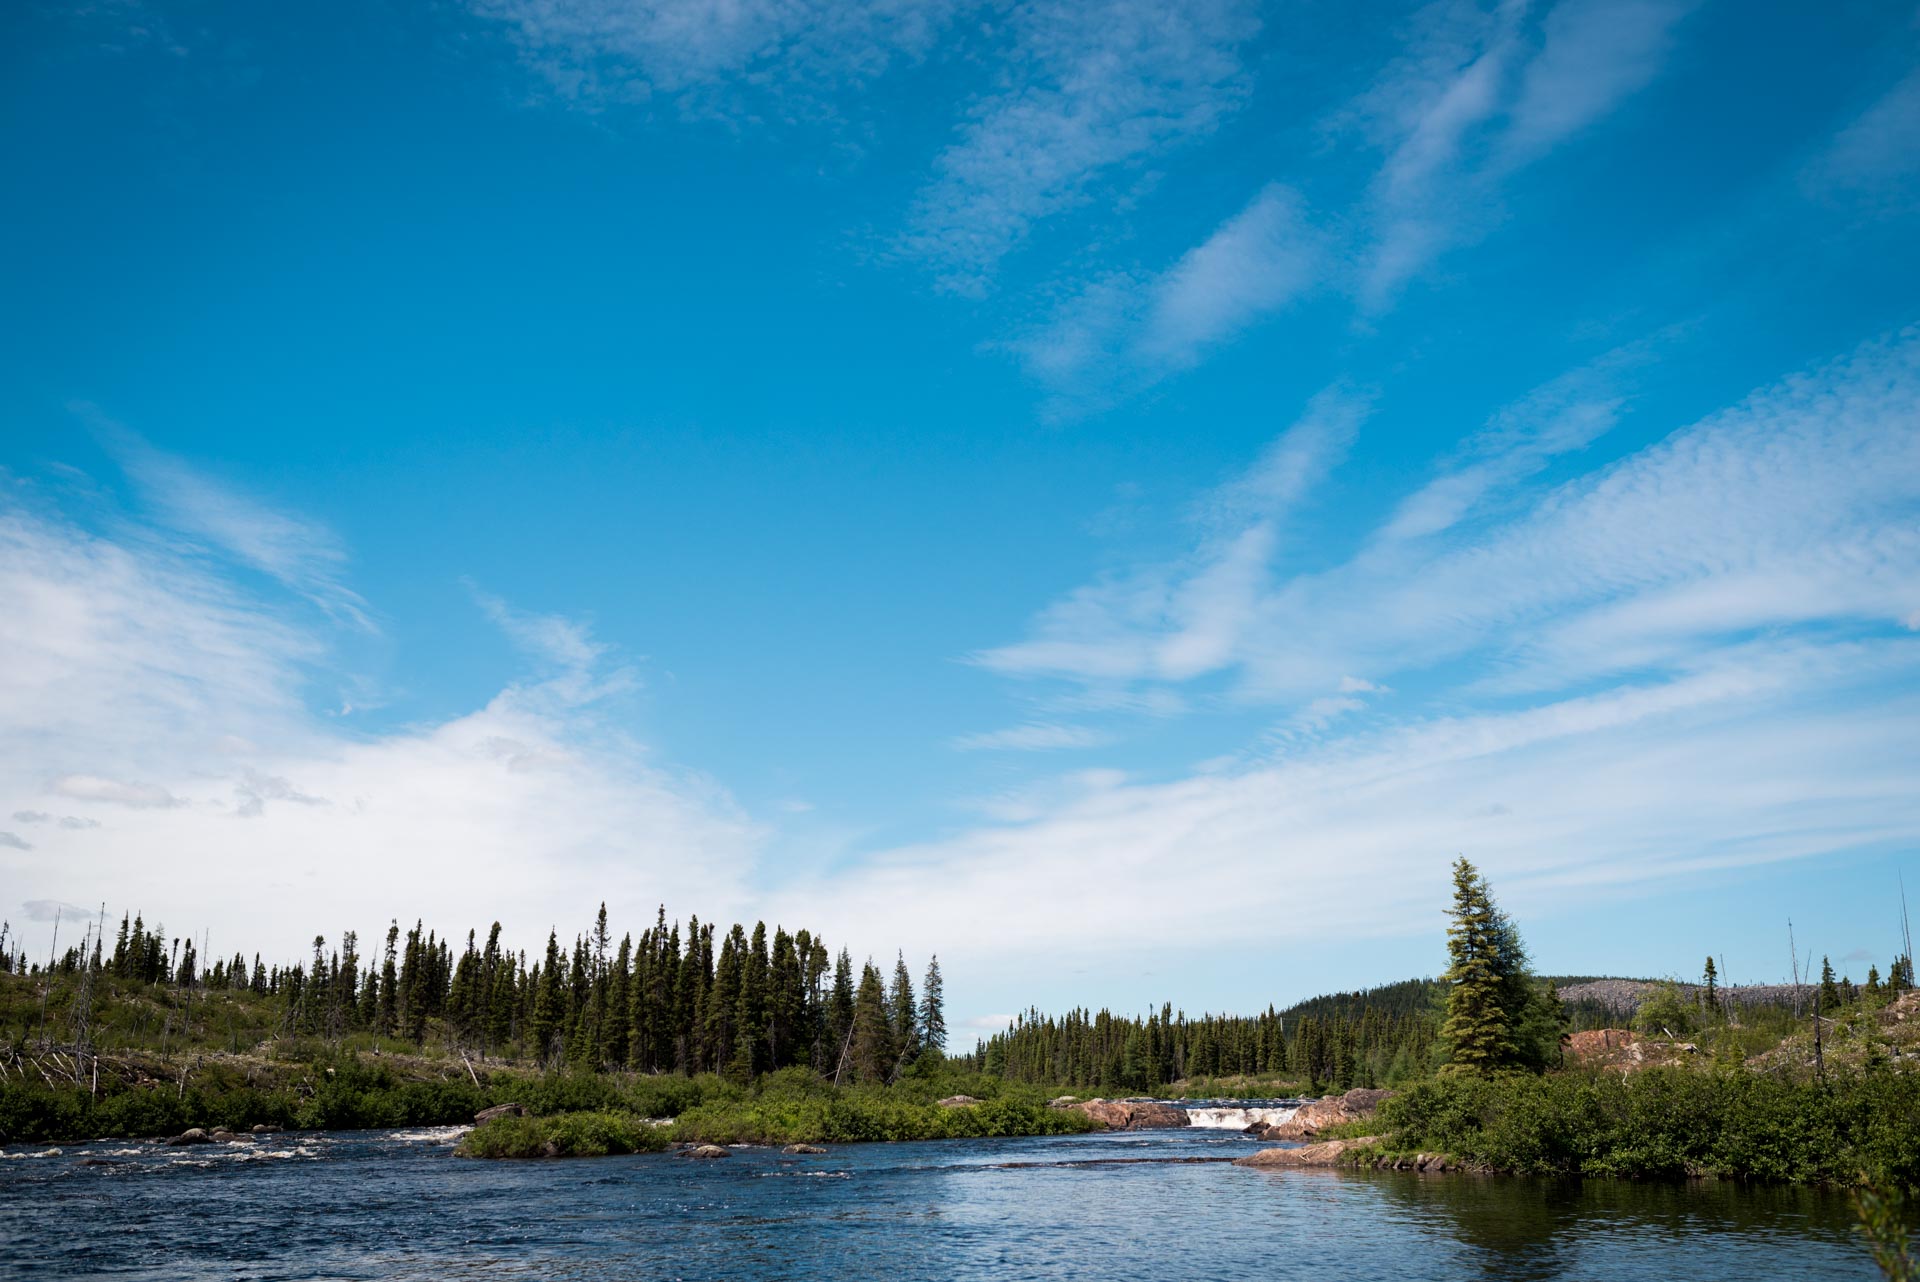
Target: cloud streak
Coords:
[[1875, 159], [302, 554], [1088, 89], [1123, 333], [598, 52], [1479, 94], [1791, 509], [1035, 736]]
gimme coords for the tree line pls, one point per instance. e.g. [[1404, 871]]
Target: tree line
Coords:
[[737, 1002], [1346, 1047], [1488, 1013]]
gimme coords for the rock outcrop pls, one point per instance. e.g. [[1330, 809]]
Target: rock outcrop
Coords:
[[499, 1110], [193, 1135], [1063, 1101], [706, 1152], [261, 1128], [1430, 1162], [1325, 1153], [958, 1101], [1335, 1110], [1624, 1049], [803, 1149], [1133, 1115]]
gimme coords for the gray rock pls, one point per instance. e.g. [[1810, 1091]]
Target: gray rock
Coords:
[[500, 1110], [707, 1152], [193, 1135], [803, 1148]]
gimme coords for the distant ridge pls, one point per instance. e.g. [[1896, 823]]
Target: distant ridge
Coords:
[[1625, 995], [1617, 994]]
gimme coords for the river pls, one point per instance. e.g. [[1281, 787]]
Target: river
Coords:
[[1148, 1205]]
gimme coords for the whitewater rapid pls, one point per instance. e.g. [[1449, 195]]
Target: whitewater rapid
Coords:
[[1238, 1119]]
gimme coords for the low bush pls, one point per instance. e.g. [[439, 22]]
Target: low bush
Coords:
[[1666, 1123], [595, 1134]]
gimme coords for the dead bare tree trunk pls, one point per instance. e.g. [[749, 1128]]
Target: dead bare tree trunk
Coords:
[[1793, 958], [1819, 1053]]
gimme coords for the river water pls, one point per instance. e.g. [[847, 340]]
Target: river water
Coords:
[[396, 1204]]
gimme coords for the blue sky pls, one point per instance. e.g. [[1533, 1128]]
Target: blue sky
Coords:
[[1117, 495]]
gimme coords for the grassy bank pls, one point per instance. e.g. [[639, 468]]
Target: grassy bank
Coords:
[[798, 1108], [353, 1091], [1667, 1123]]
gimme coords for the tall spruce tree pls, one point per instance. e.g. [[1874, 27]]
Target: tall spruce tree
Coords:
[[548, 1002], [903, 1016], [872, 1054], [933, 1010], [1482, 950]]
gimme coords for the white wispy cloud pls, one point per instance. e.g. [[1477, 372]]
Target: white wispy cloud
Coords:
[[1792, 509], [1696, 657], [1561, 417], [303, 554], [15, 841], [1255, 263], [597, 52], [1124, 332], [1876, 157], [1088, 87], [1174, 622], [145, 681], [54, 909], [1034, 736], [1733, 766], [574, 668], [1478, 94], [118, 792], [1593, 55]]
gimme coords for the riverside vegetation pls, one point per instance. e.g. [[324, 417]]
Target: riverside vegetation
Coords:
[[763, 1040], [738, 1035]]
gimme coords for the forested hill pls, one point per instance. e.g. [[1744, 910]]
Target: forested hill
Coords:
[[735, 1001], [1365, 1037], [1406, 997]]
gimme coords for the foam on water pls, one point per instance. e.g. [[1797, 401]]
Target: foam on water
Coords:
[[431, 1135], [1237, 1119]]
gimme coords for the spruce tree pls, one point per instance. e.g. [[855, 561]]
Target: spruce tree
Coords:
[[1477, 1032], [872, 1051], [548, 1001], [903, 1015], [933, 1012], [839, 1012]]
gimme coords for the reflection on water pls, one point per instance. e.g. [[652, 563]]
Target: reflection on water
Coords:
[[1147, 1205]]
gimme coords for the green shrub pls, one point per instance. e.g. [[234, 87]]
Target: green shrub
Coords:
[[1668, 1123], [587, 1134]]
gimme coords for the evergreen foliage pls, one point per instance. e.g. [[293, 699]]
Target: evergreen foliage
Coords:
[[1348, 1044], [1498, 1016], [744, 1004]]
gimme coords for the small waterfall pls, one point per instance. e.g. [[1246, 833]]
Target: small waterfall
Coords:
[[1237, 1119]]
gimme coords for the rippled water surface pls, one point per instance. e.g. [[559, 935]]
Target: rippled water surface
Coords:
[[395, 1204]]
